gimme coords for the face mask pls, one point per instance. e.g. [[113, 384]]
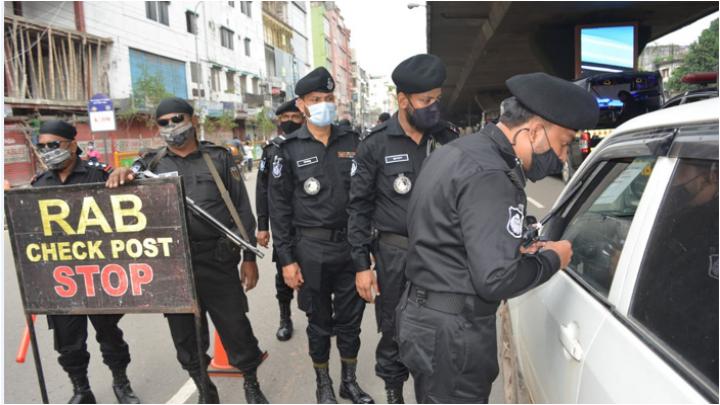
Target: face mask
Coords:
[[176, 135], [544, 164], [424, 118], [56, 159], [289, 127], [322, 114]]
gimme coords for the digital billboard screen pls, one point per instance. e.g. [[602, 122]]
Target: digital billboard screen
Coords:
[[606, 49]]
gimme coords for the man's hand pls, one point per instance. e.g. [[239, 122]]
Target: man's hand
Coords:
[[293, 276], [263, 238], [365, 282], [119, 176], [533, 248], [249, 275], [563, 248]]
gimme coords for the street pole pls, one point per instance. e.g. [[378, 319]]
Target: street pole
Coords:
[[199, 73]]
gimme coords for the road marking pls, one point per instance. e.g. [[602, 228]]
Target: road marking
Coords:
[[183, 393], [535, 203]]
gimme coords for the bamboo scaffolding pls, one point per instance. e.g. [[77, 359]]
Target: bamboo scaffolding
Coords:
[[50, 64], [33, 90], [23, 63], [41, 69]]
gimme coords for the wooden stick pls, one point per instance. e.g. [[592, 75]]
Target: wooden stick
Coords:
[[23, 62], [50, 64], [65, 81], [71, 59], [8, 70], [16, 62], [41, 68], [89, 82], [33, 90]]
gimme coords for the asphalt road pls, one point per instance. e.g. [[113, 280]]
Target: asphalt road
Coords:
[[286, 377]]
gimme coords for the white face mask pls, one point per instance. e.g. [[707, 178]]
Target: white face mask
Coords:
[[322, 114]]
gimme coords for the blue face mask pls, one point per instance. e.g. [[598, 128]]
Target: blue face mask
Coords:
[[322, 114]]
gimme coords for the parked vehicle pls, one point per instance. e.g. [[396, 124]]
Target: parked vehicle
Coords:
[[641, 92], [706, 83], [634, 317]]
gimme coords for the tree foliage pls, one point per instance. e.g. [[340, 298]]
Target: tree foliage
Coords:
[[702, 57]]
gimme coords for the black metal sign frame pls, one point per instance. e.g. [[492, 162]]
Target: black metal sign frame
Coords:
[[190, 307]]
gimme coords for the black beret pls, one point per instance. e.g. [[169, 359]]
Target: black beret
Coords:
[[558, 101], [59, 128], [287, 106], [173, 105], [317, 80], [419, 73]]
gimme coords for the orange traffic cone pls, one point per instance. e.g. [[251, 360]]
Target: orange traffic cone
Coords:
[[219, 365]]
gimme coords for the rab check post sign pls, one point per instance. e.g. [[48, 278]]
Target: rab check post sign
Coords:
[[86, 249]]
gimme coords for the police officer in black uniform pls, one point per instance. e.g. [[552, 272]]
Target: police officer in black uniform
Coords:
[[290, 120], [309, 187], [387, 163], [60, 153], [466, 224], [215, 259]]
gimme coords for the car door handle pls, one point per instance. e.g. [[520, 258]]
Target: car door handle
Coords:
[[568, 338]]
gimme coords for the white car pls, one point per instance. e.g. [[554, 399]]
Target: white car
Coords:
[[634, 317]]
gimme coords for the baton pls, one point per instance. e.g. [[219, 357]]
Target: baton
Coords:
[[212, 221], [24, 344]]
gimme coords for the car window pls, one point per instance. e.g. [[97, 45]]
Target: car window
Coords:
[[676, 294], [599, 227]]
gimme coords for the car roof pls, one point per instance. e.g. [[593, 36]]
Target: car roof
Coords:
[[699, 111]]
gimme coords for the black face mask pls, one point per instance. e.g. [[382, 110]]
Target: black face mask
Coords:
[[423, 118], [289, 127], [543, 164]]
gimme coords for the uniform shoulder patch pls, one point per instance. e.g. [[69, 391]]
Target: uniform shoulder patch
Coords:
[[515, 222]]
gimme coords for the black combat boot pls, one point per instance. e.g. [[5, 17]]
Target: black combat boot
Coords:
[[122, 389], [349, 388], [81, 391], [324, 392], [285, 331], [210, 397], [394, 394], [253, 394]]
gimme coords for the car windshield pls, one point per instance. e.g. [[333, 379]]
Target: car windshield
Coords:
[[623, 96]]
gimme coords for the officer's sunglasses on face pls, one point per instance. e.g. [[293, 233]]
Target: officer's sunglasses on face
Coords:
[[50, 145], [176, 119]]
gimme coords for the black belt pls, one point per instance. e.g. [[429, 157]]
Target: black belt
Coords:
[[393, 239], [332, 235], [450, 302]]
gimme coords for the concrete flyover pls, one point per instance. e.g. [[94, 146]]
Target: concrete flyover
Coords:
[[484, 43]]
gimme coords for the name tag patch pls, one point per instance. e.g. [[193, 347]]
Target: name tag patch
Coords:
[[307, 162], [346, 154], [397, 158], [168, 174]]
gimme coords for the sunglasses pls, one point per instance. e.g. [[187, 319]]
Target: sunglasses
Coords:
[[175, 119], [49, 145]]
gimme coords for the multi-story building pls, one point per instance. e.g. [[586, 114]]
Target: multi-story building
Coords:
[[134, 52], [278, 50], [383, 97], [662, 58], [331, 48], [360, 96], [299, 22]]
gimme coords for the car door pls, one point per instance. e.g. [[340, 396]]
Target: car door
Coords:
[[556, 323], [660, 344]]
